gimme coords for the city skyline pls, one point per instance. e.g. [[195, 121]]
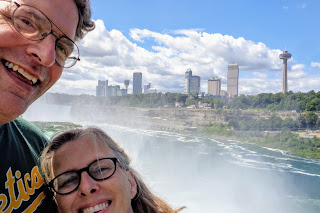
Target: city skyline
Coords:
[[161, 42], [192, 84], [104, 89]]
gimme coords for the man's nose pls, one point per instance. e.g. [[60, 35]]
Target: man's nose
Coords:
[[87, 185], [43, 51]]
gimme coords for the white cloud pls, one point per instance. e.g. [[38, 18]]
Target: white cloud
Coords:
[[259, 85], [112, 56], [296, 75], [260, 75], [315, 64], [297, 72], [302, 6], [298, 67]]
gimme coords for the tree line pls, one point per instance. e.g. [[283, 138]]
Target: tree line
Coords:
[[307, 103], [273, 130], [275, 102], [308, 120]]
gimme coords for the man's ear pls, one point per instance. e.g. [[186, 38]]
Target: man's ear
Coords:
[[133, 184]]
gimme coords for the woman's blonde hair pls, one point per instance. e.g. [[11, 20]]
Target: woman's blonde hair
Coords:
[[144, 201]]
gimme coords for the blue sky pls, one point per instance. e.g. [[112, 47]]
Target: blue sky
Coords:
[[162, 39]]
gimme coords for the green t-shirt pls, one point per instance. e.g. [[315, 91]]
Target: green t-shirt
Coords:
[[21, 184]]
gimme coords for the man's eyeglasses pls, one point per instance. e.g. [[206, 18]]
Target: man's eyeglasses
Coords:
[[34, 25], [69, 181]]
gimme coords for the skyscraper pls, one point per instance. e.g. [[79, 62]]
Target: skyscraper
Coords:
[[284, 56], [187, 79], [137, 83], [101, 88], [232, 79], [214, 86], [195, 84], [146, 87], [113, 90], [192, 83]]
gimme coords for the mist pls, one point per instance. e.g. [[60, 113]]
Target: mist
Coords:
[[207, 175], [39, 111]]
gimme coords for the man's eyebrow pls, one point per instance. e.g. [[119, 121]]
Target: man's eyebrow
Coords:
[[6, 11], [37, 19], [37, 16]]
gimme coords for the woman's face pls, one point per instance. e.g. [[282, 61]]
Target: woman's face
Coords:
[[112, 195]]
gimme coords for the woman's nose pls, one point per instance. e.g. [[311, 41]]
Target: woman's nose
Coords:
[[87, 185]]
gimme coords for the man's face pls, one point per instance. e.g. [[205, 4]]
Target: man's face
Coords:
[[24, 62]]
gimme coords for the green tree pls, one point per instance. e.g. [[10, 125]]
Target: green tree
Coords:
[[311, 119]]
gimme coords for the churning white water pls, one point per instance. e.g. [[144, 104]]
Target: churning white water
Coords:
[[208, 176]]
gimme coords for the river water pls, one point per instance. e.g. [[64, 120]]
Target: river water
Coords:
[[208, 175]]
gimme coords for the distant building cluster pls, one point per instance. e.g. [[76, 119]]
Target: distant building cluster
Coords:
[[147, 89], [103, 89], [192, 83], [137, 85]]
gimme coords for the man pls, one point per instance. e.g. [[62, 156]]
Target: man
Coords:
[[36, 43]]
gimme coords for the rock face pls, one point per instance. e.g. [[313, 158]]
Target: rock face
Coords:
[[167, 119]]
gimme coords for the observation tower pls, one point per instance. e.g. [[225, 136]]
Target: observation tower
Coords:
[[126, 84], [284, 56]]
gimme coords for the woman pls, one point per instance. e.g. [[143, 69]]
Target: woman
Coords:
[[88, 172]]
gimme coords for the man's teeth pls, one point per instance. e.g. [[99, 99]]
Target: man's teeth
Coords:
[[96, 208], [15, 67]]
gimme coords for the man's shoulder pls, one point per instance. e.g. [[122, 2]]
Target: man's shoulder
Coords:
[[27, 127], [21, 184], [21, 129]]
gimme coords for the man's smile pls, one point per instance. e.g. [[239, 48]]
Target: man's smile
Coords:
[[24, 76]]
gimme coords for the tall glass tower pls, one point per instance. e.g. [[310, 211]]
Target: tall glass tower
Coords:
[[192, 83], [137, 83], [232, 79]]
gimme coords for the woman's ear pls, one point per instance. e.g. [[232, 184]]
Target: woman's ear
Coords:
[[133, 184]]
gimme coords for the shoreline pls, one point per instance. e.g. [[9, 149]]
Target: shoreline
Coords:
[[208, 123], [51, 128]]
